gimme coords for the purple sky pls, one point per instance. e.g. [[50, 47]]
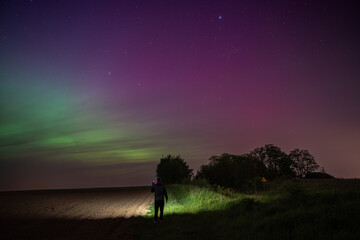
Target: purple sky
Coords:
[[93, 93]]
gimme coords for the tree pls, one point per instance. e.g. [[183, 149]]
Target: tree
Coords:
[[223, 169], [303, 162], [230, 170], [276, 161], [173, 169]]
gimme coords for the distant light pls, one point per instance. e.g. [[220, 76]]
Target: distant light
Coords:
[[109, 73], [220, 17]]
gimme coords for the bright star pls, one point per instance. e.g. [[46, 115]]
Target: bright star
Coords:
[[109, 73], [220, 17]]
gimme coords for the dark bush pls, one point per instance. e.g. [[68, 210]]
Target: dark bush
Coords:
[[318, 175]]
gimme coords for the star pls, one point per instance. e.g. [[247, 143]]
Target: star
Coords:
[[220, 17], [109, 73]]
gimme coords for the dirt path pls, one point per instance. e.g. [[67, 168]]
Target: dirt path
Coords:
[[73, 214]]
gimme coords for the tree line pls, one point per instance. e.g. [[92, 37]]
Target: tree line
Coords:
[[237, 171]]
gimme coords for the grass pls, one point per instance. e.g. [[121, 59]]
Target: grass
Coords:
[[322, 209], [187, 199]]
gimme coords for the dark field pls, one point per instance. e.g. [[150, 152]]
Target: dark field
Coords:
[[72, 214]]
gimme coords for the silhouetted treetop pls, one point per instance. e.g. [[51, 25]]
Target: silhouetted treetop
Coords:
[[173, 169], [276, 161], [230, 170], [269, 161], [303, 162]]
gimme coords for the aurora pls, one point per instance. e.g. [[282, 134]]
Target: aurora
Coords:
[[94, 93]]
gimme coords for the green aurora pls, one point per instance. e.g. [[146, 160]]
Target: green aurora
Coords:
[[50, 124]]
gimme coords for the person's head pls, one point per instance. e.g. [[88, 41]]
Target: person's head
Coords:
[[158, 179]]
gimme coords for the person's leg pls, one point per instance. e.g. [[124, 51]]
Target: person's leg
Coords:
[[156, 210], [161, 209]]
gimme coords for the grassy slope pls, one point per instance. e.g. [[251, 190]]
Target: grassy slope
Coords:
[[288, 210]]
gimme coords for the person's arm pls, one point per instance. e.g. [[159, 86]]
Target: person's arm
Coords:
[[153, 188], [165, 193]]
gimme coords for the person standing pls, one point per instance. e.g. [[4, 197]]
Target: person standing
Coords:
[[160, 193]]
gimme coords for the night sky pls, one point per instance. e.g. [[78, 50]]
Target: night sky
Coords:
[[93, 93]]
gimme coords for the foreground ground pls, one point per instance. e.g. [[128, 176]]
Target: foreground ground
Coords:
[[290, 209], [73, 214]]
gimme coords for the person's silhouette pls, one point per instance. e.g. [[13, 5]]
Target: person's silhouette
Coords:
[[160, 192]]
